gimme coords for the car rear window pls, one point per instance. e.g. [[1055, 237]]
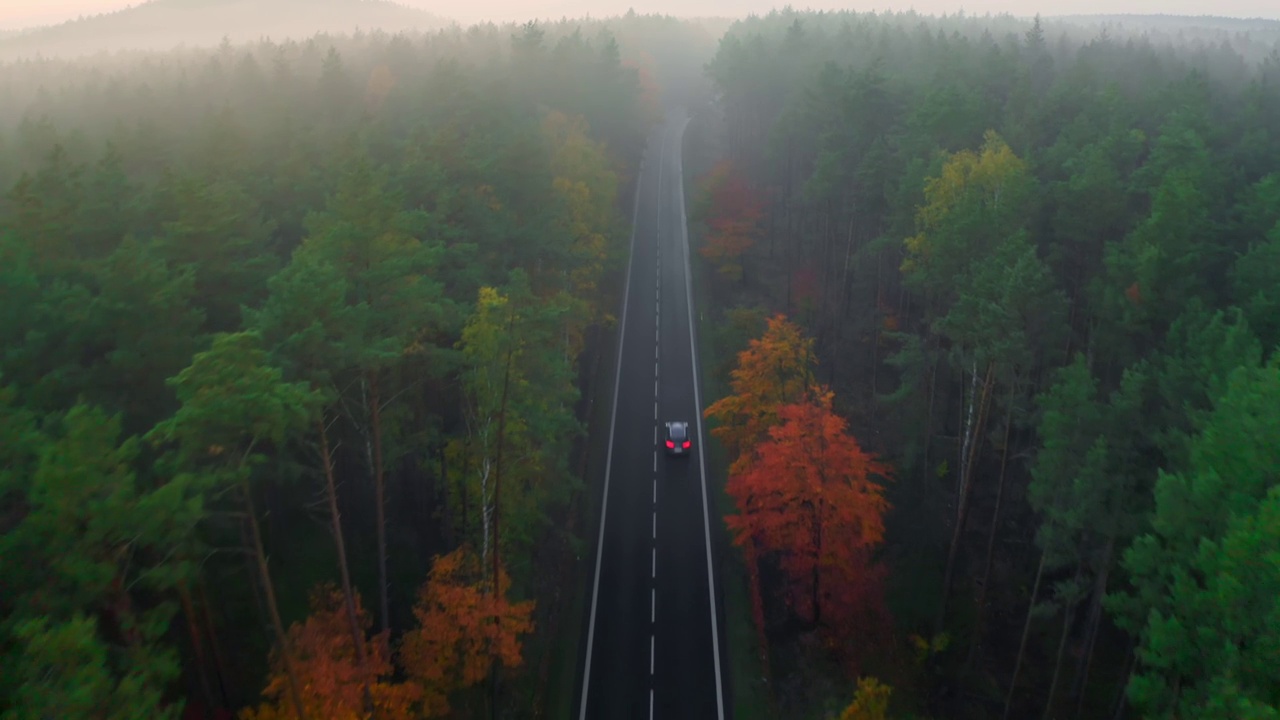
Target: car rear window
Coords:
[[677, 432]]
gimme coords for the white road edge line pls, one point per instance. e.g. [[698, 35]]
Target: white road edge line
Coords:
[[693, 351], [613, 423]]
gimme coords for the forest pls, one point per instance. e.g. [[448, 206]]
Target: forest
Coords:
[[295, 353], [303, 341], [163, 25], [995, 306]]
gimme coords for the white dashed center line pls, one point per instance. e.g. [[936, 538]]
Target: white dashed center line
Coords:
[[653, 604], [650, 654], [654, 572], [655, 524]]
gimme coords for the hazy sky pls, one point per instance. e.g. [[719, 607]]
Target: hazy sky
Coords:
[[22, 13]]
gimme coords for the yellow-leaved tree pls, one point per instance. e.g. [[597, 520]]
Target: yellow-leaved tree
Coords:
[[775, 370], [870, 702], [975, 202], [588, 187]]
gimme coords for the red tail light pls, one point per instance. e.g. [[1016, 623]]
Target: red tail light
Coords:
[[671, 444], [687, 443]]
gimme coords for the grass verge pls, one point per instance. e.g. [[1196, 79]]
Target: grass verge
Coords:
[[563, 675], [748, 684], [561, 690]]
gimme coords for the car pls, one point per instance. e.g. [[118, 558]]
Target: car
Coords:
[[678, 442]]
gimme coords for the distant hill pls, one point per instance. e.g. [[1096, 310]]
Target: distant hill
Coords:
[[1179, 22], [1255, 39], [165, 24]]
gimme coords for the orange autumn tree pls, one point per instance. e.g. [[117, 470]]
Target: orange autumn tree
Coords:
[[732, 212], [331, 678], [774, 370], [463, 627], [809, 500]]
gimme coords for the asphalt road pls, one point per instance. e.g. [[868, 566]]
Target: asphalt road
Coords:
[[655, 631]]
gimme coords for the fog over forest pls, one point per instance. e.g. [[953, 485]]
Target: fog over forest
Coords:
[[165, 24], [358, 361]]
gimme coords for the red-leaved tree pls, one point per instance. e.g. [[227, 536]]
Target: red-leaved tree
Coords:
[[732, 211], [810, 500]]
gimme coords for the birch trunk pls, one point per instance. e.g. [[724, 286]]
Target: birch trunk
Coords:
[[966, 485], [991, 536]]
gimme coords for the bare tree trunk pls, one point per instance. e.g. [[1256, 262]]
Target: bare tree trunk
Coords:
[[451, 532], [1068, 617], [928, 425], [380, 498], [348, 596], [1121, 700], [502, 428], [497, 488], [1081, 682], [991, 536], [462, 489], [840, 310], [286, 652], [757, 601], [193, 628], [844, 277], [817, 563], [220, 663], [1022, 644], [972, 443]]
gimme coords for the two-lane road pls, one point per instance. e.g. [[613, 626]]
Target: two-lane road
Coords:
[[655, 641]]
